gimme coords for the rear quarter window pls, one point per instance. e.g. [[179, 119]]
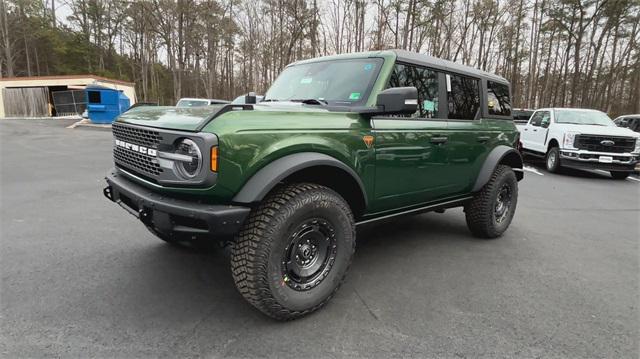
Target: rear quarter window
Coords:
[[498, 99]]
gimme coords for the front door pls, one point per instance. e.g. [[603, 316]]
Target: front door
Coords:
[[411, 152]]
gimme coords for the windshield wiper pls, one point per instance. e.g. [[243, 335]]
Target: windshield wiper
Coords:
[[311, 101], [270, 100]]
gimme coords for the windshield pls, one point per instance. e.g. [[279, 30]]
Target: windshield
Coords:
[[579, 117], [192, 103], [335, 82]]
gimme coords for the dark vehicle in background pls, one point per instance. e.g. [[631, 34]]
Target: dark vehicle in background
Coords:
[[631, 122], [522, 115]]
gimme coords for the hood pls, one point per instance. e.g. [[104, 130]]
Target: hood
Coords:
[[191, 119], [597, 130], [170, 117]]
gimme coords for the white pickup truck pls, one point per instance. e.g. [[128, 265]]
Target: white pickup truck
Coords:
[[580, 138]]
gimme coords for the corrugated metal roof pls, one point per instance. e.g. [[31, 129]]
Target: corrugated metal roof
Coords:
[[67, 77]]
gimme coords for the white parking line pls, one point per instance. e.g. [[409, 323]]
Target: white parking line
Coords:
[[633, 179], [532, 170]]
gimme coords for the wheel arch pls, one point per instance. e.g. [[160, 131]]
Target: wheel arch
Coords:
[[311, 167], [504, 155], [553, 143]]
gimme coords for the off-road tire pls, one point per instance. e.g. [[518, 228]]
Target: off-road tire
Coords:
[[481, 211], [619, 175], [552, 160], [260, 248]]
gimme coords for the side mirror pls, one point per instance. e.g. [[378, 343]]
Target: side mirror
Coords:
[[250, 98], [398, 100], [544, 123]]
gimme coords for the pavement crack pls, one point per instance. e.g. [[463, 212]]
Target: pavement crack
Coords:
[[366, 305]]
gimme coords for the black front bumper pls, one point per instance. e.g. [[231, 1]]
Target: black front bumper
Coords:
[[174, 217]]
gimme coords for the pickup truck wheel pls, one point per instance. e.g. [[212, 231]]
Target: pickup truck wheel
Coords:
[[294, 250], [491, 210], [619, 175], [553, 159]]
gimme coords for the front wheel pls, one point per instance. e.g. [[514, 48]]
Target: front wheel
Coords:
[[619, 175], [553, 160], [294, 251], [491, 210]]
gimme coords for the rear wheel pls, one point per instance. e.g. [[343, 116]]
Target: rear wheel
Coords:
[[491, 210], [553, 159], [619, 175], [294, 251]]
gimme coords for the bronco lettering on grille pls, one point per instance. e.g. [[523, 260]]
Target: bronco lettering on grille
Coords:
[[136, 148]]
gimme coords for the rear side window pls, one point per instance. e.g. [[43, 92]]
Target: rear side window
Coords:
[[423, 79], [498, 100], [463, 97]]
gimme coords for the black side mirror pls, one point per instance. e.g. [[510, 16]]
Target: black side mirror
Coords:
[[398, 100], [544, 123], [250, 98]]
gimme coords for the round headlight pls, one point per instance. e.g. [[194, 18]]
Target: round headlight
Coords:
[[189, 148]]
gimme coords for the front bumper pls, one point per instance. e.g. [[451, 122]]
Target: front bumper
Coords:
[[624, 162], [174, 217]]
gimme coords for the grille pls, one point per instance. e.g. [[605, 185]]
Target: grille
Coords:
[[593, 143], [139, 136], [143, 164]]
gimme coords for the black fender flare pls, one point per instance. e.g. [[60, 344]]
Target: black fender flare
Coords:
[[501, 154], [263, 181]]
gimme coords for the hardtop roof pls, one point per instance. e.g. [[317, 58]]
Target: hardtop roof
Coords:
[[414, 58]]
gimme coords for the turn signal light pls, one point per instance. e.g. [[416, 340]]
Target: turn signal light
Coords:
[[214, 158]]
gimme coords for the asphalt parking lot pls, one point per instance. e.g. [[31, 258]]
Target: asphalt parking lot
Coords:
[[82, 278]]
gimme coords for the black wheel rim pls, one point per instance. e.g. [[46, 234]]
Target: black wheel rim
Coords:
[[310, 254], [503, 203]]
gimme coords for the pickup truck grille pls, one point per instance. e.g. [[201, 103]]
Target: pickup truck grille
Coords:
[[597, 143], [132, 159]]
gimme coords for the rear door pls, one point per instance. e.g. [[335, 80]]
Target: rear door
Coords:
[[468, 134], [411, 152]]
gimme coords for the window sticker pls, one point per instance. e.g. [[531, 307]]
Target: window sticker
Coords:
[[306, 80], [354, 96], [428, 105], [368, 67]]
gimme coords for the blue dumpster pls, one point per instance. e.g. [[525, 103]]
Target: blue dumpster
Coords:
[[105, 104]]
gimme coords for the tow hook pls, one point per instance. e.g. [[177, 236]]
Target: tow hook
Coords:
[[107, 193], [144, 216]]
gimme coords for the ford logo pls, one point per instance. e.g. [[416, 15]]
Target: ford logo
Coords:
[[607, 143]]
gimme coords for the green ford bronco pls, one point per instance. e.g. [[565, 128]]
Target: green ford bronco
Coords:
[[336, 142]]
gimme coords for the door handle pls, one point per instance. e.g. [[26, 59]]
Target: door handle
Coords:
[[526, 129], [439, 139], [483, 139], [535, 130]]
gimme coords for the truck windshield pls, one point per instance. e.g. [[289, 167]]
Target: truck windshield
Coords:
[[334, 82], [583, 117]]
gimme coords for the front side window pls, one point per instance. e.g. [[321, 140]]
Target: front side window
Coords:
[[336, 82], [498, 100], [425, 81], [539, 117], [463, 97]]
